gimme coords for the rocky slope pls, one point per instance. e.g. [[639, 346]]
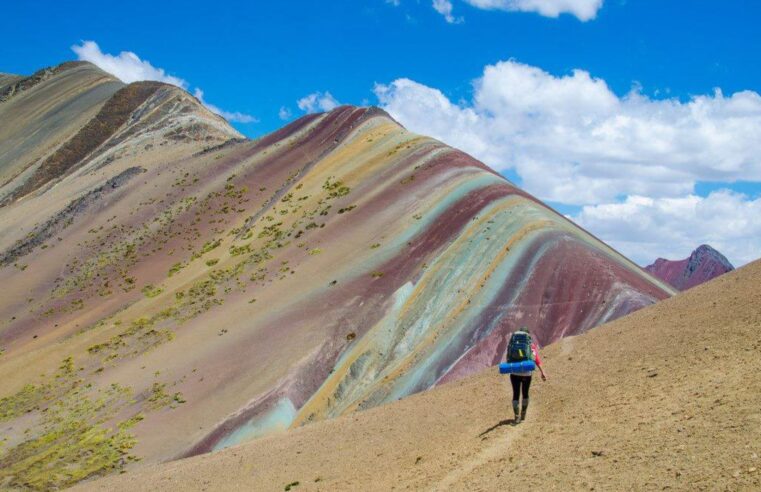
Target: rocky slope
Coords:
[[662, 399], [176, 289], [703, 264]]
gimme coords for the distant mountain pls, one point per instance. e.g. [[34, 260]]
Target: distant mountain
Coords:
[[702, 265], [171, 288]]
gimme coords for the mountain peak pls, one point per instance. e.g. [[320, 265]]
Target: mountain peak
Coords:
[[365, 111], [88, 118], [703, 264]]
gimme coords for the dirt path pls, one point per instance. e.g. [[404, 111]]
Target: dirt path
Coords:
[[668, 398], [490, 452]]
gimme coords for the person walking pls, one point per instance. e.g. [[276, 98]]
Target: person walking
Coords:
[[522, 348]]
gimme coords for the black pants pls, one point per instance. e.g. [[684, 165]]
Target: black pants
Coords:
[[521, 385]]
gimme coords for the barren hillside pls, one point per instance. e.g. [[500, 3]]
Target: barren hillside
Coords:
[[667, 398]]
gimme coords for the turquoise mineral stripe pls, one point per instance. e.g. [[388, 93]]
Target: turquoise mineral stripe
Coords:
[[396, 337], [456, 332], [280, 417]]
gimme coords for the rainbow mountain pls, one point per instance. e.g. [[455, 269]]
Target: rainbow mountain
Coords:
[[172, 288]]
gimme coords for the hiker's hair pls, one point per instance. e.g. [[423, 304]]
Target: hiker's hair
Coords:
[[524, 328]]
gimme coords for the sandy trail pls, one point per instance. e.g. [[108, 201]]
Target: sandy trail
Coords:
[[492, 451], [667, 398]]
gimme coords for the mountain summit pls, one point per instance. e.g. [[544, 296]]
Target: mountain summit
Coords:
[[175, 289], [703, 264]]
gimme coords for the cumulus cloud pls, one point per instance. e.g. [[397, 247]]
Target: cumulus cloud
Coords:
[[584, 10], [572, 140], [128, 67], [444, 7], [317, 101], [647, 228]]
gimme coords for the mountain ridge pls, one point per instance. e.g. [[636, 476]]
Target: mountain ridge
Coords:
[[114, 105]]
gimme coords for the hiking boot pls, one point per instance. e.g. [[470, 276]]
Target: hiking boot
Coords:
[[524, 407]]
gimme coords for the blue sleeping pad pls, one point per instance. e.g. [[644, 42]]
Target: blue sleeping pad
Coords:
[[513, 367]]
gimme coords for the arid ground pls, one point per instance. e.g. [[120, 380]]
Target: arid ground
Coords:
[[667, 398]]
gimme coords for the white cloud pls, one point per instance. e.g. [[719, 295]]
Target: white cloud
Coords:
[[646, 228], [631, 161], [572, 140], [128, 67], [444, 7], [584, 10], [284, 113], [317, 101], [229, 116]]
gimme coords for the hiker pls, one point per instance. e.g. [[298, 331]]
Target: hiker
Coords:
[[522, 348]]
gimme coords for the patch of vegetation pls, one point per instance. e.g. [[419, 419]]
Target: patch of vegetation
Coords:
[[158, 397], [140, 336], [212, 261], [151, 291], [176, 268], [335, 188], [240, 250], [272, 231], [76, 437], [258, 275], [32, 397], [208, 246], [376, 274], [291, 485]]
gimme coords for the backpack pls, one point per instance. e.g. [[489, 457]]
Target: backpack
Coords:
[[519, 348]]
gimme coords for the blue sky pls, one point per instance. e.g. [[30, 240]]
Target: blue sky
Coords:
[[262, 58], [258, 56]]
